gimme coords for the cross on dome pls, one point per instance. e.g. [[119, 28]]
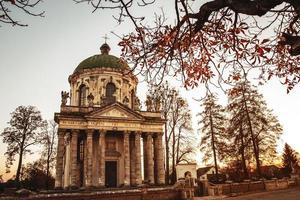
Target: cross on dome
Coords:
[[105, 38], [105, 47]]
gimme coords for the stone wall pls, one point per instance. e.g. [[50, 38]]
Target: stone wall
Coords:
[[247, 187], [128, 194]]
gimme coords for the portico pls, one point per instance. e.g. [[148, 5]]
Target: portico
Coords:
[[109, 136]]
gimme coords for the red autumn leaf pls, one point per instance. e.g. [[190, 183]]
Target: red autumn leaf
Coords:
[[226, 46], [267, 49], [260, 51]]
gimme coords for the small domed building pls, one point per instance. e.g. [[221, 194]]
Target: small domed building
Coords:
[[102, 133]]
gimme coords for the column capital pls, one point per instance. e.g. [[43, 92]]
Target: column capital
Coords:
[[89, 132], [60, 134], [75, 131], [126, 135], [149, 134], [138, 132], [127, 132], [102, 131], [61, 130], [68, 138], [159, 135]]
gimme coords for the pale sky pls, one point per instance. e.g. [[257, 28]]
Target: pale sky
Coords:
[[37, 60]]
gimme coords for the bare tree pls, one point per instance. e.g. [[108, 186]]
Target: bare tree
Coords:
[[8, 7], [177, 129], [215, 40], [211, 41], [185, 145], [25, 130], [49, 151]]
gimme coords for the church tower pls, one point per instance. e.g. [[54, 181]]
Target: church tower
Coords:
[[102, 131]]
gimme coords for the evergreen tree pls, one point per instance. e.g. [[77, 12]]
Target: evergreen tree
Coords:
[[238, 135], [255, 123], [213, 131], [289, 159]]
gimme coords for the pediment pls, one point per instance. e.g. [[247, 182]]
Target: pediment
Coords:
[[115, 111]]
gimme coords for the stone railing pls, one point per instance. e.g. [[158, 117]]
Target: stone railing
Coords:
[[246, 187], [74, 109]]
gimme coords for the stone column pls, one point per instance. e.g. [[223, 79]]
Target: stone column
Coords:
[[150, 168], [67, 160], [59, 159], [126, 159], [159, 159], [85, 163], [74, 141], [101, 157], [155, 159], [132, 149], [138, 173], [89, 148], [145, 157]]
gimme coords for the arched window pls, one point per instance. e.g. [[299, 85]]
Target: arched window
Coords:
[[80, 151], [110, 89], [82, 95]]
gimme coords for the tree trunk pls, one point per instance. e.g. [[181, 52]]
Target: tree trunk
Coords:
[[173, 157], [47, 171], [256, 153], [20, 159], [213, 146], [177, 147], [167, 153], [246, 175], [19, 166]]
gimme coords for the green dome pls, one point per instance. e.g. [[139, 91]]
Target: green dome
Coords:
[[102, 60]]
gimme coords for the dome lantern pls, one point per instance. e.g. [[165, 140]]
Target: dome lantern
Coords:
[[105, 49]]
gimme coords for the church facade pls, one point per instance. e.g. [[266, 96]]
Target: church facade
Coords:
[[104, 138]]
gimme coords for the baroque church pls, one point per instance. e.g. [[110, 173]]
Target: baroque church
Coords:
[[104, 138]]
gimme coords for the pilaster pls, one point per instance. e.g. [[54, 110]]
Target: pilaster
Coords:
[[145, 157], [138, 173], [89, 142], [150, 168], [59, 159], [101, 157], [126, 159], [159, 159], [74, 140], [132, 149]]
